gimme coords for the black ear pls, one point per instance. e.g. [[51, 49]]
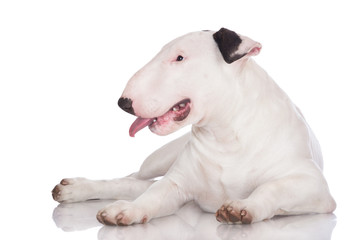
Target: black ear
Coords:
[[228, 43], [234, 47]]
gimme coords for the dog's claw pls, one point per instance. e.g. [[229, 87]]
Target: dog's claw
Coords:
[[64, 182], [56, 193], [230, 215]]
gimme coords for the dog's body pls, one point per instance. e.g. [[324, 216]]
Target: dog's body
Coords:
[[250, 154]]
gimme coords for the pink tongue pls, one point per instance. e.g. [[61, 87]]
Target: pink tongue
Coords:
[[139, 124]]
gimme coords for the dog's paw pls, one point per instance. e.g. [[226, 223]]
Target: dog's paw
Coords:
[[72, 190], [122, 213], [233, 212]]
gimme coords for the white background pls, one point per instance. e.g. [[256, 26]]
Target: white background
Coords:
[[64, 64]]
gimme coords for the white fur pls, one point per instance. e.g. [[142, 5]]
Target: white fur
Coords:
[[250, 148]]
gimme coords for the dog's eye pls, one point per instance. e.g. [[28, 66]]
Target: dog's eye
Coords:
[[179, 58]]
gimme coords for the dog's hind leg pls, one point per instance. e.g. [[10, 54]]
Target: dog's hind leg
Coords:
[[158, 163]]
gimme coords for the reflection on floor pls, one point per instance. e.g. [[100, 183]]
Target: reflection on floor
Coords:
[[191, 223]]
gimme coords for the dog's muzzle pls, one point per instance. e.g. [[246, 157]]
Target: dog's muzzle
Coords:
[[177, 113]]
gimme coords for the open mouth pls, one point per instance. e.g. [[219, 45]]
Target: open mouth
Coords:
[[178, 112]]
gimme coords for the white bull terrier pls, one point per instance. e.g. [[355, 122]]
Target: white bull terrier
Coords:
[[249, 156]]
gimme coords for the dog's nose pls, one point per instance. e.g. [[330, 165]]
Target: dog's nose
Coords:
[[126, 105]]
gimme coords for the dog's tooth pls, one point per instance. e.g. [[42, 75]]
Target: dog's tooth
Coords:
[[182, 105], [175, 109]]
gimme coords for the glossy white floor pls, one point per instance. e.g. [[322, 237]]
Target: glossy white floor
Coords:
[[31, 214], [63, 65], [191, 223]]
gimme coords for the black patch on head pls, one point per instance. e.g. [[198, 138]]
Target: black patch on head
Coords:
[[228, 43]]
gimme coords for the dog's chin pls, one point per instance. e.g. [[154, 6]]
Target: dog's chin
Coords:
[[164, 130], [168, 128]]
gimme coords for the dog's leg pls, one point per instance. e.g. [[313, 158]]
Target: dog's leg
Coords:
[[163, 198], [158, 163], [298, 194], [82, 189]]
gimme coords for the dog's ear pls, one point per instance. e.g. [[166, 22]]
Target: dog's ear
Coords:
[[233, 46]]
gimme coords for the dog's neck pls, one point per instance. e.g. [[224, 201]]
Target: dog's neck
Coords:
[[243, 113]]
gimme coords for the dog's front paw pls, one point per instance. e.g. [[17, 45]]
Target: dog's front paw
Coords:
[[122, 213], [233, 212], [72, 190]]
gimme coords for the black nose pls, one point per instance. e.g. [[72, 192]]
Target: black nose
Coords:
[[126, 105]]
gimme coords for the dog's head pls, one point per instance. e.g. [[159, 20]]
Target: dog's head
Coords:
[[186, 82]]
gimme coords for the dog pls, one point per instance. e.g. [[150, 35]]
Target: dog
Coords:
[[250, 154]]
